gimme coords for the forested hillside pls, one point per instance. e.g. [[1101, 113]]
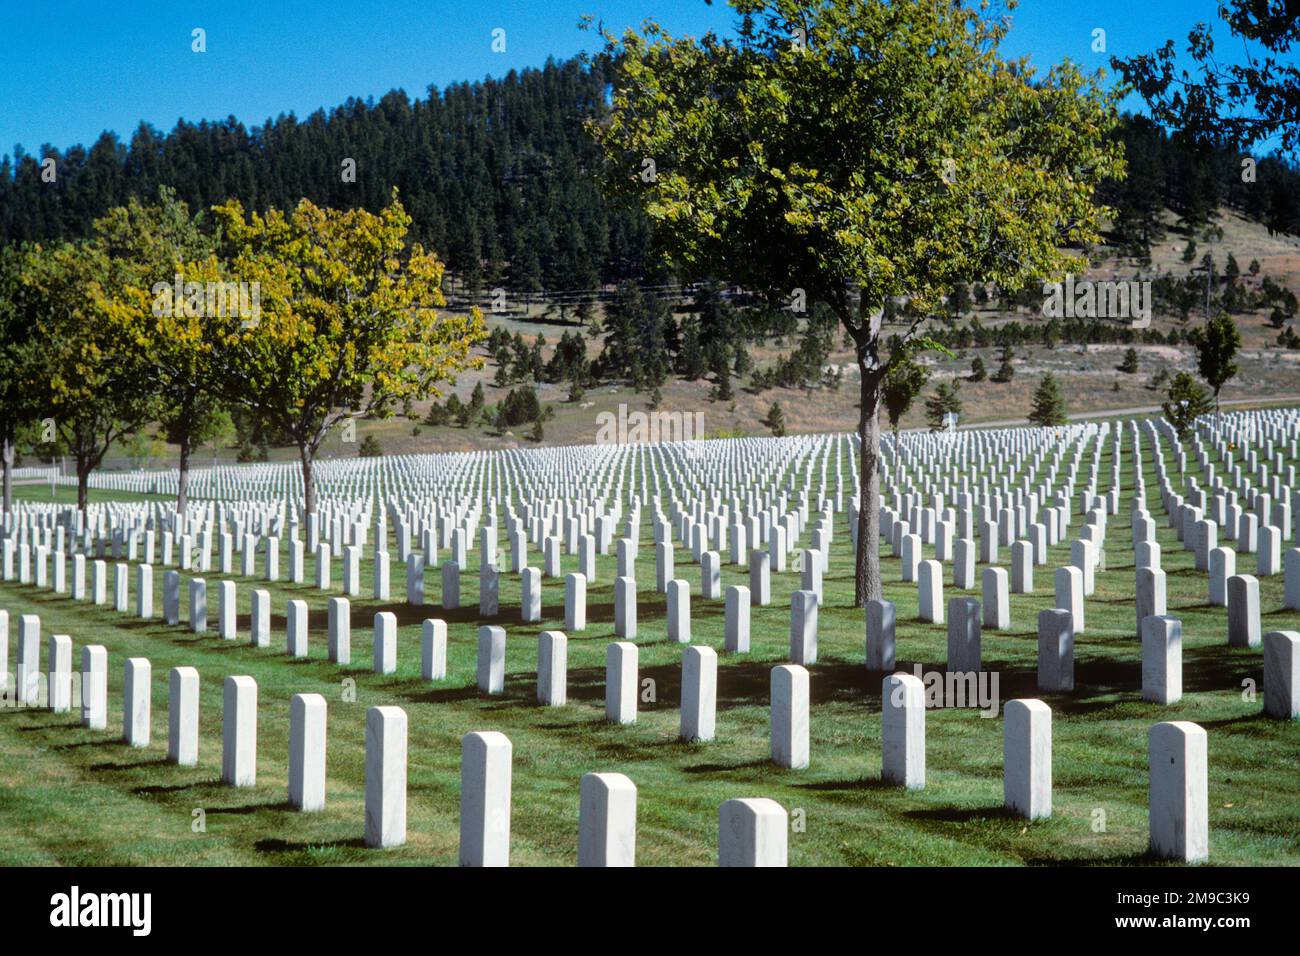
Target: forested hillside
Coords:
[[499, 178], [496, 174]]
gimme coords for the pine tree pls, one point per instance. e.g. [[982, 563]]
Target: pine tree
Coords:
[[775, 420], [691, 359], [1130, 364], [1216, 350], [437, 415], [945, 400], [977, 371], [458, 410], [1185, 403], [722, 390], [1006, 370], [903, 382], [1049, 407]]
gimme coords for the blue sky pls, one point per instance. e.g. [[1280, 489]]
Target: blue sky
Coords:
[[70, 70]]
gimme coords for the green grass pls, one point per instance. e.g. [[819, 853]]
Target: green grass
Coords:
[[71, 796]]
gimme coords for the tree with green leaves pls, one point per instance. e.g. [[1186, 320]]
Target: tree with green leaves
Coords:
[[220, 431], [1216, 352], [1130, 364], [978, 372], [348, 323], [1186, 401], [903, 382], [93, 372], [370, 448], [944, 402], [1049, 407], [1221, 102], [859, 152]]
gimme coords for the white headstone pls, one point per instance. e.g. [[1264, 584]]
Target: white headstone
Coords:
[[183, 716], [621, 682], [1178, 812], [552, 668], [136, 702], [752, 832], [789, 717], [1282, 674], [902, 731], [699, 693], [385, 777], [491, 669], [485, 759], [307, 717], [606, 820], [433, 650], [239, 732], [1027, 758]]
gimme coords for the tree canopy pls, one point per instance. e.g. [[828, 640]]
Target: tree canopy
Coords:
[[348, 323], [855, 154]]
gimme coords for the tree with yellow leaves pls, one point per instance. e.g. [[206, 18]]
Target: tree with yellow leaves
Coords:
[[347, 322], [165, 267]]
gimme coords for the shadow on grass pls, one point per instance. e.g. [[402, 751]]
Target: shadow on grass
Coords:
[[1115, 859], [251, 808], [111, 765], [159, 789], [730, 767], [273, 846], [106, 742], [968, 815], [848, 786]]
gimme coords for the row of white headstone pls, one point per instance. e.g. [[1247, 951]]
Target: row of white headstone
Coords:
[[1178, 807]]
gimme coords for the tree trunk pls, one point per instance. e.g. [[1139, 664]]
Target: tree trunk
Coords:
[[183, 481], [308, 491], [83, 484], [867, 571], [8, 454]]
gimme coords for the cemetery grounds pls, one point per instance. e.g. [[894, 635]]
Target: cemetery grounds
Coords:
[[71, 796]]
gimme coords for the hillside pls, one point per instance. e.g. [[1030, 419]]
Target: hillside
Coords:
[[1089, 376]]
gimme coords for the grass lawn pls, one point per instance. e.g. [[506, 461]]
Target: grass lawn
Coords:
[[72, 796]]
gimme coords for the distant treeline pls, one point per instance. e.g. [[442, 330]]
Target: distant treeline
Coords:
[[498, 176], [1193, 181]]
